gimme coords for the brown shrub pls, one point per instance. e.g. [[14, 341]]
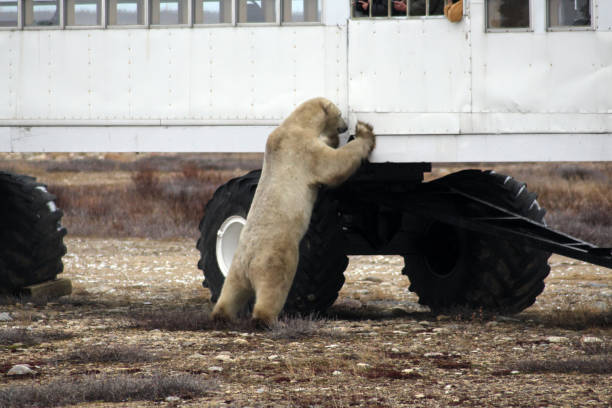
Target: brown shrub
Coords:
[[583, 365], [153, 205], [69, 391]]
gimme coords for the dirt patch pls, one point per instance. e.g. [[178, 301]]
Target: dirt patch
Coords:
[[387, 351]]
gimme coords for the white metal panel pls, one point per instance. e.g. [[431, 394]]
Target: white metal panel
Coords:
[[409, 65], [8, 66], [552, 72], [135, 139], [270, 52], [70, 86], [335, 12], [153, 92], [484, 123], [603, 15], [5, 139], [493, 148], [335, 67], [111, 73]]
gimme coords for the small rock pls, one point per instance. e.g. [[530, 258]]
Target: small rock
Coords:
[[590, 339], [395, 350], [419, 396], [424, 323], [507, 319], [273, 357], [442, 318], [196, 356], [215, 369], [337, 372], [241, 341], [173, 399], [5, 317], [441, 330], [433, 355], [372, 279], [349, 303], [363, 365], [515, 372], [408, 370], [399, 311], [557, 339], [21, 369], [223, 357], [260, 390]]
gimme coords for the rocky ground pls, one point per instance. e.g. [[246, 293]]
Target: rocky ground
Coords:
[[138, 312]]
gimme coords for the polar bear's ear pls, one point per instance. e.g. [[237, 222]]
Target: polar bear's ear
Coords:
[[327, 106]]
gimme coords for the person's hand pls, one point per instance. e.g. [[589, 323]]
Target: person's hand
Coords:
[[399, 5], [364, 4]]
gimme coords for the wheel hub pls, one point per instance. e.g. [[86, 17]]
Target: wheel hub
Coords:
[[228, 236]]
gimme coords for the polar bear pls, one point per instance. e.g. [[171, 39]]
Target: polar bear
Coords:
[[300, 156]]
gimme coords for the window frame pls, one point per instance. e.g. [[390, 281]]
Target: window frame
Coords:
[[564, 28], [189, 15], [391, 16], [16, 26], [84, 27], [145, 16], [23, 17], [529, 29], [105, 14], [277, 16], [232, 22], [302, 23]]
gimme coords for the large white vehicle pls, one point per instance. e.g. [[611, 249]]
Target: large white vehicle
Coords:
[[513, 81]]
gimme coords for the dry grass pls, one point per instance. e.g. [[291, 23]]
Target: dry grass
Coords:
[[582, 365], [104, 388], [154, 205], [579, 318], [121, 353], [25, 337], [287, 328], [163, 196]]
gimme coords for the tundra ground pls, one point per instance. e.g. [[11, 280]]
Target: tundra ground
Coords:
[[135, 332]]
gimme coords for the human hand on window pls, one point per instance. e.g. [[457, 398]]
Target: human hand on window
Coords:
[[364, 4], [399, 5]]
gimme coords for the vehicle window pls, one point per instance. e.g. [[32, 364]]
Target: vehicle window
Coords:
[[8, 13], [213, 11], [83, 12], [125, 12], [396, 8], [256, 11], [168, 12], [569, 13], [507, 13], [41, 12], [426, 7], [295, 11]]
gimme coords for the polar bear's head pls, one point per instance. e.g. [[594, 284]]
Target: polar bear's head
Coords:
[[333, 123]]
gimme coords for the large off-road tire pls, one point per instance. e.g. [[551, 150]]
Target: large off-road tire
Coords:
[[455, 267], [320, 272], [31, 236]]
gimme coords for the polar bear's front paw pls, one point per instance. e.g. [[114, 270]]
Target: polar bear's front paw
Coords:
[[365, 131]]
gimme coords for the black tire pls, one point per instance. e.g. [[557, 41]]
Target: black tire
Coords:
[[455, 267], [31, 236], [320, 272]]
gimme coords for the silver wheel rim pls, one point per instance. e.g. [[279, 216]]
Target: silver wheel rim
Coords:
[[228, 236]]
